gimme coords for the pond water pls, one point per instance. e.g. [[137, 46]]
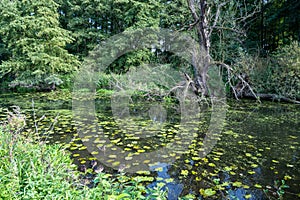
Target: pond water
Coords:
[[255, 156]]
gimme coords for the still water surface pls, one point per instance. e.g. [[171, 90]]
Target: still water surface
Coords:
[[257, 149]]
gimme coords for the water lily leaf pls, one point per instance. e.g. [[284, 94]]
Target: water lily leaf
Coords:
[[218, 153], [225, 184], [194, 172], [114, 164], [112, 156], [128, 158], [143, 179], [158, 169], [237, 184], [257, 186], [254, 157], [184, 172], [289, 165], [211, 164], [248, 196], [85, 139], [143, 172], [293, 137], [246, 186], [254, 165], [251, 172], [82, 148], [227, 168], [169, 180], [146, 161], [275, 161], [259, 154], [287, 177], [248, 154], [165, 156], [207, 192], [73, 148], [196, 158], [172, 154]]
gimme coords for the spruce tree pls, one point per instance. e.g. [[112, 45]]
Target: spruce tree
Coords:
[[32, 33]]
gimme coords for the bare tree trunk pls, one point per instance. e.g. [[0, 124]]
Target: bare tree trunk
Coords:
[[205, 23], [201, 60]]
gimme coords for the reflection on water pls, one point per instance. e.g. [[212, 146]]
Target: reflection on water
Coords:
[[258, 149], [174, 188]]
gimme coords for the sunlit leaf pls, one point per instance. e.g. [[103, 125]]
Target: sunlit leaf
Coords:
[[211, 164], [248, 154], [184, 172], [289, 165], [158, 169], [237, 184], [257, 186], [227, 168], [207, 192]]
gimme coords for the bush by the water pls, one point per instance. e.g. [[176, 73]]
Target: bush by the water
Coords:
[[279, 74]]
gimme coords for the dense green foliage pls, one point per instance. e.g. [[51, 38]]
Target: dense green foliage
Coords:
[[42, 41], [277, 24], [31, 32], [281, 75]]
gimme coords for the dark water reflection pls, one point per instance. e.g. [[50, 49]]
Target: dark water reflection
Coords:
[[259, 146]]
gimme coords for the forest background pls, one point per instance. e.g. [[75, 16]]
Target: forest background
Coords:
[[255, 44]]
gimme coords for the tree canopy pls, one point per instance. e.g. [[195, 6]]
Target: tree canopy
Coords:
[[32, 34], [41, 42]]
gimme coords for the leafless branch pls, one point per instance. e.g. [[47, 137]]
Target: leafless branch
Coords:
[[217, 15], [228, 29], [191, 26], [245, 83]]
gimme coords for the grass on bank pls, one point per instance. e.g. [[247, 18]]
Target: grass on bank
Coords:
[[34, 170]]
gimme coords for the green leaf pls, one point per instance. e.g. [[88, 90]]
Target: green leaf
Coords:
[[123, 196], [207, 192]]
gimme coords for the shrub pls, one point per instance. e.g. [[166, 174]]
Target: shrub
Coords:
[[279, 73], [286, 70]]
